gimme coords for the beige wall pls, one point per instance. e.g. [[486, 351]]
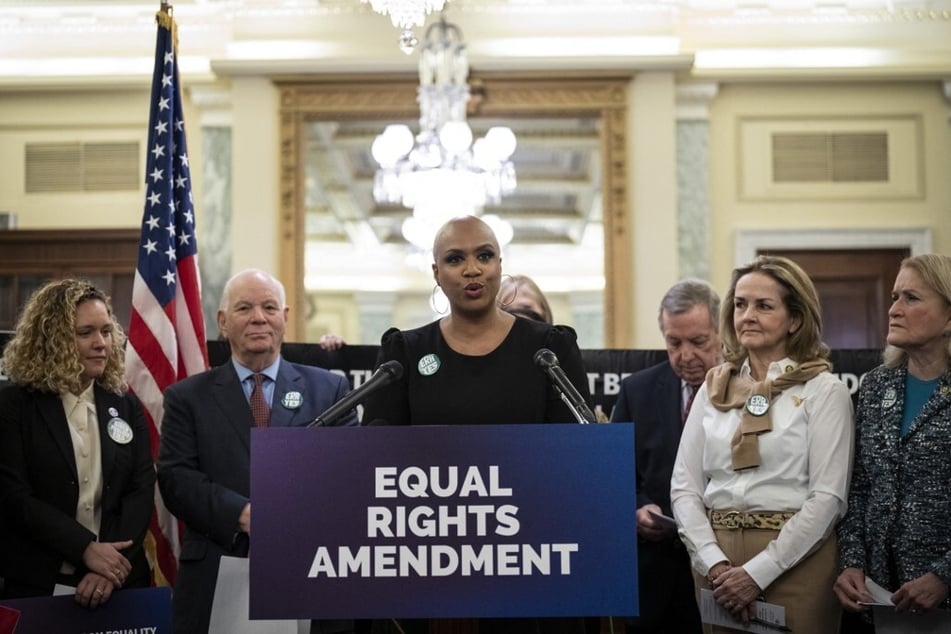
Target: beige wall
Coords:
[[79, 115], [862, 208]]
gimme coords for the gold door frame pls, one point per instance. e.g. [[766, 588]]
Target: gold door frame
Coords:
[[355, 97]]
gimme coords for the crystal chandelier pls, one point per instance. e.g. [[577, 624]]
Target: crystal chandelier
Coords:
[[443, 174], [405, 14]]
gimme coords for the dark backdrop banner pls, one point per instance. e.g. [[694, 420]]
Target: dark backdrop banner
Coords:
[[605, 368], [443, 521]]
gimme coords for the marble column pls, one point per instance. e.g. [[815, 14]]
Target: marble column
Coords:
[[693, 156], [214, 200], [587, 315], [376, 315]]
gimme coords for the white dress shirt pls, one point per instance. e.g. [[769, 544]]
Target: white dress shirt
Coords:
[[805, 466], [84, 432]]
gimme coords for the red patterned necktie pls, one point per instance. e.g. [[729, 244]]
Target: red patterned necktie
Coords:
[[693, 393], [259, 409]]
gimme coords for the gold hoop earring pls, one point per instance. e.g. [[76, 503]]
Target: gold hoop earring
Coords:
[[514, 294], [432, 301]]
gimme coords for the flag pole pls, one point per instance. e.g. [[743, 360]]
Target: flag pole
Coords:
[[166, 335], [166, 20]]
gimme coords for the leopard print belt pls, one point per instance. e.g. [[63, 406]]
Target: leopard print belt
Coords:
[[770, 520]]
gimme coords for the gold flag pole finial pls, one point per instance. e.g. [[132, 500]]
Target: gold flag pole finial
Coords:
[[165, 20]]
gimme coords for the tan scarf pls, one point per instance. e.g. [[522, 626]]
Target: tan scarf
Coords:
[[728, 391]]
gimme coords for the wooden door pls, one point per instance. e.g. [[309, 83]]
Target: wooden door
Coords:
[[31, 258], [854, 287]]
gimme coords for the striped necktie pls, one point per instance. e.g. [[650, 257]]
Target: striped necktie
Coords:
[[693, 393]]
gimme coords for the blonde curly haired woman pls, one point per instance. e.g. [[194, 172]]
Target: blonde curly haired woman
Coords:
[[76, 473]]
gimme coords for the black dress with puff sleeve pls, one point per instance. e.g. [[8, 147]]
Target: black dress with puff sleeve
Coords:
[[442, 387]]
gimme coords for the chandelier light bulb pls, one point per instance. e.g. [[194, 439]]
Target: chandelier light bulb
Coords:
[[381, 152], [401, 137], [456, 137], [502, 141], [394, 143], [418, 232]]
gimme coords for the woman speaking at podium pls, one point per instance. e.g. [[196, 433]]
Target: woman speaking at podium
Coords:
[[476, 365]]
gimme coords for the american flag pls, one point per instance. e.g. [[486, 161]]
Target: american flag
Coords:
[[166, 328]]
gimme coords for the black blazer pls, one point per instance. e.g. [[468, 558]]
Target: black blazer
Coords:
[[652, 399], [39, 488]]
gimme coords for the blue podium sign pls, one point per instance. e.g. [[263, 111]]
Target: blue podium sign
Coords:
[[443, 521], [132, 611]]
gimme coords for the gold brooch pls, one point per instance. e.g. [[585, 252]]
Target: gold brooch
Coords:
[[798, 400]]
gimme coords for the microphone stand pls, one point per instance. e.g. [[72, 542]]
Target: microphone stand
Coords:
[[546, 360], [574, 410]]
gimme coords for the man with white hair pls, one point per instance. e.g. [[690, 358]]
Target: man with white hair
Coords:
[[204, 458], [657, 400]]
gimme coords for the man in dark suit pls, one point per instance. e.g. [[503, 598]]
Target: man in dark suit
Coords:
[[657, 400], [204, 457]]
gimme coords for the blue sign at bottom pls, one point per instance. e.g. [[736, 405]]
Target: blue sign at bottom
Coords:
[[132, 611], [443, 521]]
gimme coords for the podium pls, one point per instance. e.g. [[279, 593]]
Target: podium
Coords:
[[443, 522]]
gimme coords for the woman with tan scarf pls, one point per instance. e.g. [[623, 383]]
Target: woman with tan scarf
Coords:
[[762, 472]]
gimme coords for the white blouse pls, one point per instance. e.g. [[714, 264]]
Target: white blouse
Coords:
[[805, 464]]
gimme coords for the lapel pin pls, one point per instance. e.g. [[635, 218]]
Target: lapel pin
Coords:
[[292, 400], [119, 430], [757, 404], [428, 365], [889, 398]]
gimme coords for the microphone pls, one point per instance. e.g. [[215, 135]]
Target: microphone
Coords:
[[388, 372], [546, 360]]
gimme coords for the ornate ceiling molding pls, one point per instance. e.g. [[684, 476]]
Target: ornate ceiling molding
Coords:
[[748, 38]]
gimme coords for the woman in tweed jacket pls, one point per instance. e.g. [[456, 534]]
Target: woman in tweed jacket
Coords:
[[898, 527]]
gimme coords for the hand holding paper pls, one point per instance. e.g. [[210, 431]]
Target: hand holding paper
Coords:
[[768, 618], [851, 590], [653, 525], [890, 619]]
